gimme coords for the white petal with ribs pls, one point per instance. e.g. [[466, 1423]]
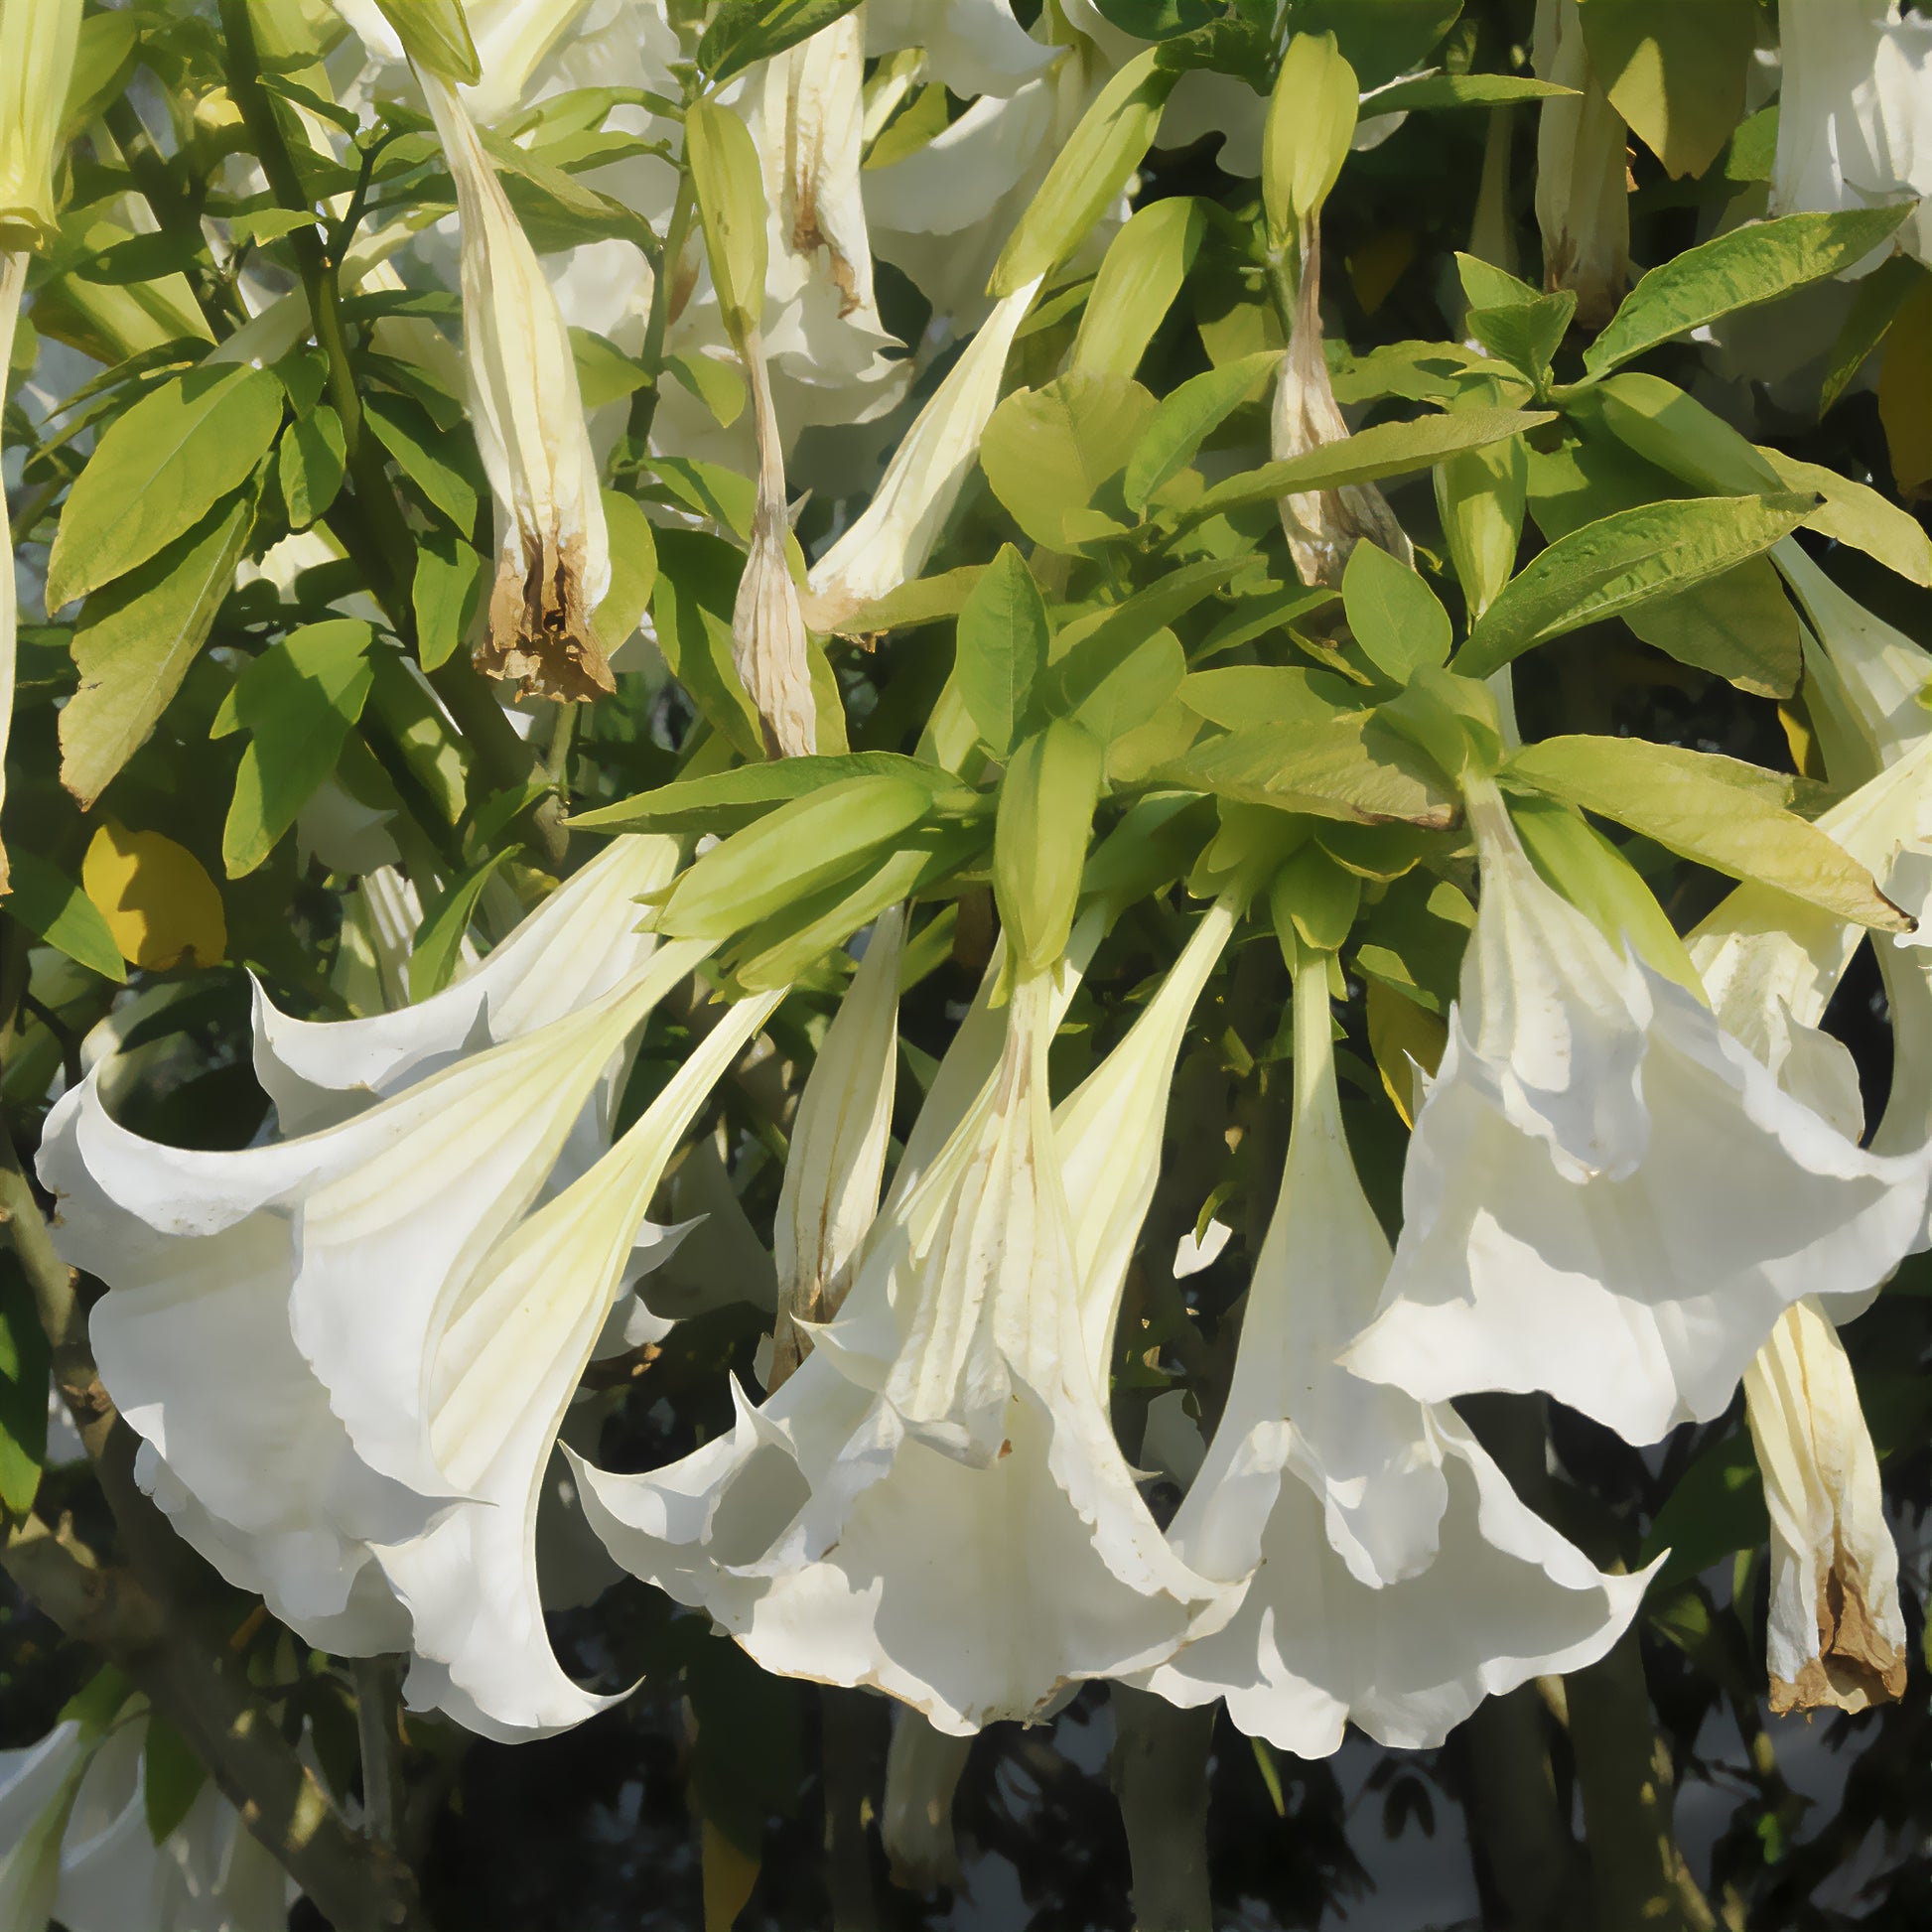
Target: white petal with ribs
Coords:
[[1399, 1579]]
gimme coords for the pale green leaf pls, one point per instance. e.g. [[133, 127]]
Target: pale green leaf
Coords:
[[438, 949], [1621, 560], [1003, 646], [633, 569], [446, 594], [421, 451], [1395, 617], [135, 642], [1749, 265], [309, 463], [1715, 810], [158, 470], [1344, 766], [1139, 276], [1186, 416], [1053, 456]]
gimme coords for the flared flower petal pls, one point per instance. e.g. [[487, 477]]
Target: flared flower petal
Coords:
[[1837, 1635], [1636, 1290], [554, 562], [972, 46], [505, 1363], [1393, 1579], [580, 943], [268, 1334], [933, 1504]]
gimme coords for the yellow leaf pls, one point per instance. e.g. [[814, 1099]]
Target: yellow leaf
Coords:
[[1905, 393], [159, 904], [728, 1875], [1403, 1035]]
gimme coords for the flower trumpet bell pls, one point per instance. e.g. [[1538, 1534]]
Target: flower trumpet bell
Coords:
[[933, 1504], [1608, 1195], [1392, 1578]]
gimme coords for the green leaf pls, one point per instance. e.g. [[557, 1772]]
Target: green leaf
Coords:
[[1242, 697], [730, 184], [716, 384], [1186, 416], [1387, 450], [1397, 621], [697, 585], [311, 462], [1855, 514], [746, 32], [445, 595], [52, 907], [1426, 91], [1311, 122], [1715, 810], [1050, 454], [135, 642], [1878, 298], [405, 429], [1623, 559], [604, 374], [1087, 174], [24, 1362], [1525, 335], [1109, 691], [1675, 73], [633, 569], [925, 599], [1749, 265], [724, 802], [1344, 766], [434, 958], [158, 470], [1716, 1510], [1003, 646], [1139, 276], [172, 1778], [297, 700], [1383, 38]]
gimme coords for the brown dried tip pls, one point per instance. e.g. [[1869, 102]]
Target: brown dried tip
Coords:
[[1856, 1664], [541, 637]]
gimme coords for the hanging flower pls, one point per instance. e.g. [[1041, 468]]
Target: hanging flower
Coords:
[[837, 1156], [933, 1504], [1837, 1635], [554, 563], [1855, 113], [76, 1845], [275, 1311], [1395, 1580], [1608, 1196]]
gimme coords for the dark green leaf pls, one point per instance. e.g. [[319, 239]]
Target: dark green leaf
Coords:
[[52, 907], [424, 454]]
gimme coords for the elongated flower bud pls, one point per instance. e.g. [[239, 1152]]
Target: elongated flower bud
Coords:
[[1581, 206], [889, 544], [554, 564], [1837, 1636], [838, 1149], [1323, 526], [37, 39]]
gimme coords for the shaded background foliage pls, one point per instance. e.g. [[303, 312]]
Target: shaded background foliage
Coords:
[[715, 1773]]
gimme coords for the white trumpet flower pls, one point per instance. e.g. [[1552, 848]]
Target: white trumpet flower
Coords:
[[1855, 113], [271, 1330], [76, 1845], [1608, 1195], [1837, 1635], [889, 544], [971, 47], [933, 1504], [505, 1362], [554, 562], [1394, 1579], [837, 1158]]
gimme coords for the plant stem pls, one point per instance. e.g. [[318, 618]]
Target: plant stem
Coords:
[[382, 1744], [1159, 1772], [644, 409]]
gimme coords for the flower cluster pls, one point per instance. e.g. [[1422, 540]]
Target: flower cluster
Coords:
[[1215, 780]]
